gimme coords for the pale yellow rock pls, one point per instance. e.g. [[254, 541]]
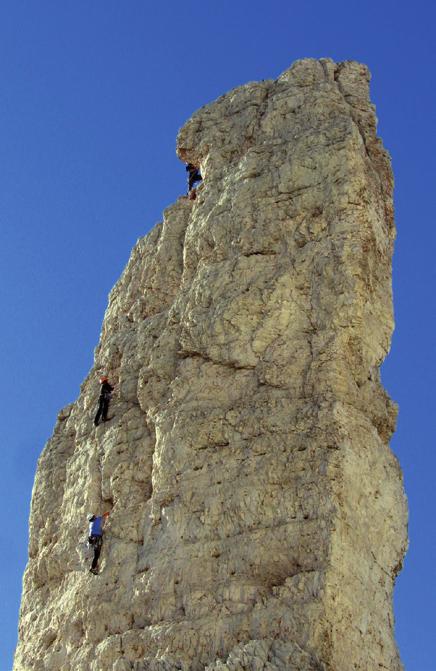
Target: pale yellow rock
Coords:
[[258, 519]]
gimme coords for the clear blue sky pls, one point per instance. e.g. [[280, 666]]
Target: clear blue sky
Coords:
[[91, 97]]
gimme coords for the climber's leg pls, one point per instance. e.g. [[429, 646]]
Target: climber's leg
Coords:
[[99, 411], [96, 544], [193, 179], [105, 408]]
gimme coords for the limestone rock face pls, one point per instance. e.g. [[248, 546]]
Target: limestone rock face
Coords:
[[257, 516]]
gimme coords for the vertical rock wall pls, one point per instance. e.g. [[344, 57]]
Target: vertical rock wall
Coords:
[[257, 513]]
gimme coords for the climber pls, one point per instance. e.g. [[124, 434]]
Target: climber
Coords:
[[95, 538], [193, 176], [103, 402]]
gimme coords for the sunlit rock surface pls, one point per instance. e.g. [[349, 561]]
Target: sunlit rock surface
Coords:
[[257, 516]]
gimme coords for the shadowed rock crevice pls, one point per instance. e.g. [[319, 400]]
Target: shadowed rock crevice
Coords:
[[257, 516]]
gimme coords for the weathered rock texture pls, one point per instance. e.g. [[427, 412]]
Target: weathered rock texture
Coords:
[[257, 514]]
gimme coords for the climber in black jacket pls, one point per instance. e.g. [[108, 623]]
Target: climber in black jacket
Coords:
[[103, 402], [193, 175]]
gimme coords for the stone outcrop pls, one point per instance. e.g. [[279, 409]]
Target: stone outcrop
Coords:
[[257, 516]]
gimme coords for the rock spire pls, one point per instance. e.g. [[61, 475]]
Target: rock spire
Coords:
[[257, 515]]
